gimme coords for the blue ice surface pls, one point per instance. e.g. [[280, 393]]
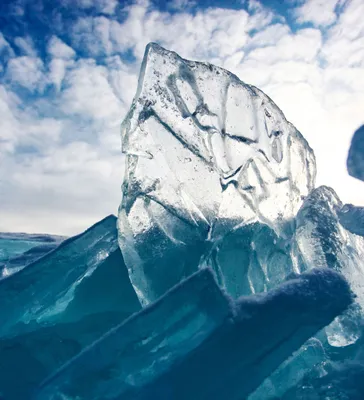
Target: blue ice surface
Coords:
[[20, 261], [196, 343], [15, 244], [59, 304], [291, 371], [355, 161], [342, 380]]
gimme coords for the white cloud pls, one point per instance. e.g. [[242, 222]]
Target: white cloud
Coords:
[[62, 57], [3, 42], [66, 164], [91, 34], [26, 71], [100, 6], [104, 6], [5, 48], [207, 34], [58, 49], [109, 6], [8, 122], [181, 5], [26, 46], [261, 16], [345, 44], [16, 9], [21, 126], [122, 79], [302, 46], [222, 31], [89, 94], [57, 182], [269, 35], [318, 12], [74, 172], [69, 187], [101, 30], [57, 72]]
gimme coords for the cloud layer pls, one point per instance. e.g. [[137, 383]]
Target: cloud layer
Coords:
[[65, 87]]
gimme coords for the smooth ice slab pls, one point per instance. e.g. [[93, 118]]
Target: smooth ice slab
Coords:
[[205, 154], [355, 161], [49, 289], [195, 344], [147, 344], [58, 305]]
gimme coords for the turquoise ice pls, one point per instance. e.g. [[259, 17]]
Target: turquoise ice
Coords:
[[53, 308]]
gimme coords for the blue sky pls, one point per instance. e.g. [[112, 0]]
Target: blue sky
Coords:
[[68, 73]]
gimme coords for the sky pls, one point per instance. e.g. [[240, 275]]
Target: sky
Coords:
[[69, 70]]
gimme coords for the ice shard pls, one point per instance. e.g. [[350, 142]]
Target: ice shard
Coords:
[[146, 344], [195, 343], [343, 381], [291, 371], [321, 241], [206, 154], [355, 161], [339, 378], [59, 304], [250, 259], [352, 218]]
